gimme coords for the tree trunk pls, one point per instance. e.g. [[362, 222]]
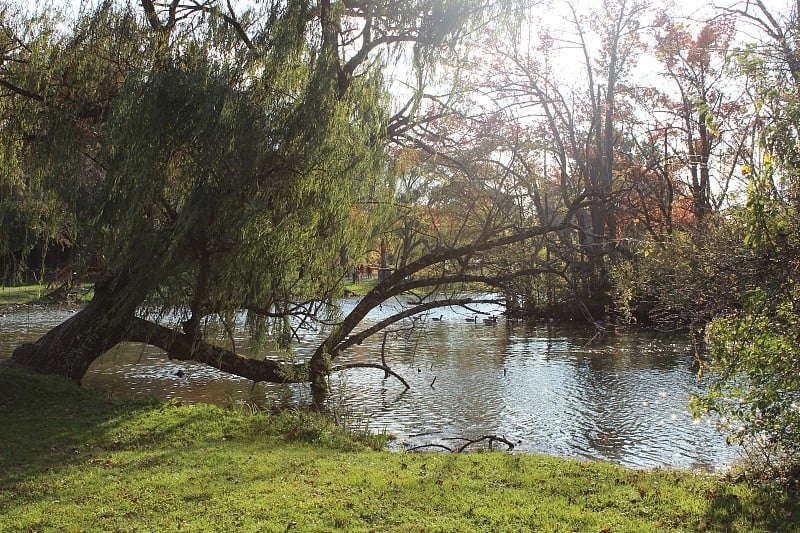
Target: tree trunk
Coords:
[[71, 347]]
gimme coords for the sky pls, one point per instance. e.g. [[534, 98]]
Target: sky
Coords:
[[687, 8]]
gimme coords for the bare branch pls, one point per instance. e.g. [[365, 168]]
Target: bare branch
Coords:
[[386, 369]]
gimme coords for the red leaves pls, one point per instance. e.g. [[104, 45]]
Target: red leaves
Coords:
[[677, 47]]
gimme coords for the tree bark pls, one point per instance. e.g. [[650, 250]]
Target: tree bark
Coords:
[[69, 349], [185, 347]]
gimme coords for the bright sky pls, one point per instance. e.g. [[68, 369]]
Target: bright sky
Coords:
[[691, 10], [688, 8]]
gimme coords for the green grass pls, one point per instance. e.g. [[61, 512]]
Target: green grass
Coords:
[[72, 460], [21, 295], [361, 287], [26, 294]]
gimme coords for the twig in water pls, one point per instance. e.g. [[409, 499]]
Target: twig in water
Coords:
[[421, 446]]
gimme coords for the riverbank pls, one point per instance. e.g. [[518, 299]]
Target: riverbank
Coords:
[[33, 294], [76, 460]]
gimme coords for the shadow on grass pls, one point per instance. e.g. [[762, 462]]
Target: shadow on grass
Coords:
[[47, 422], [759, 506]]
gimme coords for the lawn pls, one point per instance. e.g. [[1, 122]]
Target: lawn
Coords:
[[26, 294]]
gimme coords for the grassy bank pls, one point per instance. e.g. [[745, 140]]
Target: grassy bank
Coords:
[[27, 294], [73, 460], [23, 294], [360, 288]]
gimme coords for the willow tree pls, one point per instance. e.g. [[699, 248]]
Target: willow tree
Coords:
[[54, 98], [230, 149]]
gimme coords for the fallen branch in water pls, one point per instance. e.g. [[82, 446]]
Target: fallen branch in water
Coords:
[[469, 442], [491, 438], [421, 446]]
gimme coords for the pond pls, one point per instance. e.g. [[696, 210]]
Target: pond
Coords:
[[543, 387]]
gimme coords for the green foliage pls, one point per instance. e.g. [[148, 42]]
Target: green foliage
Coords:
[[754, 370], [754, 382], [226, 169], [755, 346], [58, 88]]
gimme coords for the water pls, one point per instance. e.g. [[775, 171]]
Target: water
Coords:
[[622, 400]]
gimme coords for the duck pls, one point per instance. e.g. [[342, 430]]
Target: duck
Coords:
[[490, 320]]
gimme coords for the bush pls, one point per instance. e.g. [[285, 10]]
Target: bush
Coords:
[[299, 425], [689, 279], [754, 382]]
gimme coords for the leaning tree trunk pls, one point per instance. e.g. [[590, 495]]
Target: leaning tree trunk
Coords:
[[71, 347]]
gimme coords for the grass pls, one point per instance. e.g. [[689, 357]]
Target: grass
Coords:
[[27, 294], [73, 460], [361, 287], [23, 294]]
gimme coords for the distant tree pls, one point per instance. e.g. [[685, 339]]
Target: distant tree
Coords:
[[693, 140], [570, 126], [707, 122]]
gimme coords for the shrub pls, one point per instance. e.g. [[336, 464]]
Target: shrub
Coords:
[[754, 382]]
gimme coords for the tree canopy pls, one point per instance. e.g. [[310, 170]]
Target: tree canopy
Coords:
[[227, 153]]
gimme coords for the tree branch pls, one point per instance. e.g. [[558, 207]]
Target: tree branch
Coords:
[[20, 91], [357, 339], [184, 347], [392, 283], [386, 369]]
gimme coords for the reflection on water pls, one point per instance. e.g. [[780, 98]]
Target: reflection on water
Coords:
[[623, 400]]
